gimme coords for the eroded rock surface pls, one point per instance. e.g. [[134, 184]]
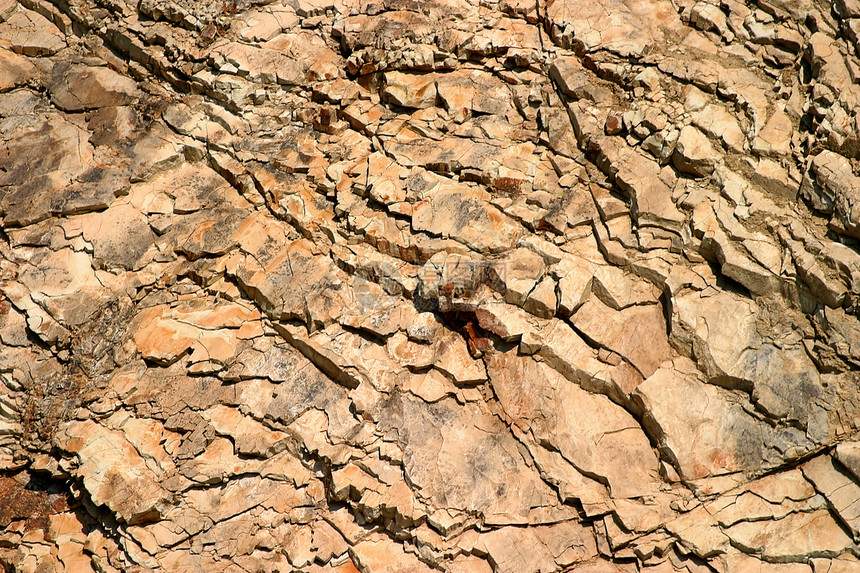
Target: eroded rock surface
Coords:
[[460, 286]]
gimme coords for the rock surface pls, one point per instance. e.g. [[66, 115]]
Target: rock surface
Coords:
[[459, 286]]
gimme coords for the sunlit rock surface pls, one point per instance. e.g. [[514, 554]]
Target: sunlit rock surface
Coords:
[[404, 286]]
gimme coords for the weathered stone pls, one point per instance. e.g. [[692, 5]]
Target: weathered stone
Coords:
[[639, 177], [78, 88], [467, 91], [464, 214], [574, 80], [543, 548], [542, 300], [839, 186], [716, 121], [775, 137], [712, 435], [492, 477], [339, 286], [15, 70], [410, 90], [840, 489], [788, 539], [50, 169], [737, 355], [694, 154], [32, 34], [380, 554], [113, 473], [560, 416]]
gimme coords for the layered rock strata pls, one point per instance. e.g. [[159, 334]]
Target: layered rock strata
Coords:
[[401, 286]]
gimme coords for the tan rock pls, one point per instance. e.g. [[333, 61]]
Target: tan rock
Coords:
[[263, 25], [261, 64], [736, 351], [113, 473], [317, 60], [517, 274], [249, 436], [505, 320], [338, 286], [626, 31], [619, 290], [542, 300], [78, 88], [451, 356], [775, 137], [840, 489], [32, 34], [574, 80], [464, 214], [543, 548], [717, 122], [639, 177], [788, 539], [637, 332], [694, 154], [563, 417], [15, 70], [410, 90], [289, 285], [50, 154], [466, 91], [712, 434], [458, 468], [833, 172], [379, 554]]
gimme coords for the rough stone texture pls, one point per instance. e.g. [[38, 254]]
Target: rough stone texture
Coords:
[[461, 286]]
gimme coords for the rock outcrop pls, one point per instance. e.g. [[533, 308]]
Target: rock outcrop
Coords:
[[400, 286]]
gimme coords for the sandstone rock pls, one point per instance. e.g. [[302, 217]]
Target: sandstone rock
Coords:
[[458, 286], [636, 333], [16, 70], [408, 90], [473, 91], [779, 540], [735, 319], [94, 87], [114, 473], [639, 177], [263, 25], [775, 137], [542, 300], [54, 154], [573, 79], [627, 31], [382, 555], [694, 154], [516, 275], [716, 435], [557, 413], [32, 34], [463, 214], [542, 548], [619, 290], [834, 175], [838, 487], [498, 484], [719, 123]]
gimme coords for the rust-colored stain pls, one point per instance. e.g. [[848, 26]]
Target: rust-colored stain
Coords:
[[18, 502], [508, 185]]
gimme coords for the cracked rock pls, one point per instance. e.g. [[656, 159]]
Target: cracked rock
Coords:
[[460, 286]]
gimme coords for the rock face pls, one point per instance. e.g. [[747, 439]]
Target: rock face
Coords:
[[459, 286]]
